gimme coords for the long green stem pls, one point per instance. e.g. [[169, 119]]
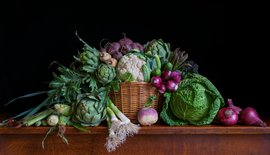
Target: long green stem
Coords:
[[37, 108], [109, 123], [118, 112], [111, 114], [33, 119]]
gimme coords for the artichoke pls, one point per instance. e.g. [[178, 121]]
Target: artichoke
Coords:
[[90, 109], [160, 48], [195, 102], [105, 73], [89, 58]]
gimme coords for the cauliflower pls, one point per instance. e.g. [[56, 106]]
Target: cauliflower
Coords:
[[133, 64]]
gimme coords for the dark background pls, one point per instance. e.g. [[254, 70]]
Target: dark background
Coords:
[[225, 41]]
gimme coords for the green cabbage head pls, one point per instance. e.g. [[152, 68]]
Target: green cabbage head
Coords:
[[195, 102]]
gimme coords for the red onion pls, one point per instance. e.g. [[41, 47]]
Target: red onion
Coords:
[[227, 116], [176, 76], [171, 86], [166, 75], [249, 116], [156, 81], [162, 89], [235, 108], [147, 116]]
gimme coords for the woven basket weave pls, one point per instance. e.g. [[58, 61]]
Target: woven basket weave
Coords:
[[132, 96]]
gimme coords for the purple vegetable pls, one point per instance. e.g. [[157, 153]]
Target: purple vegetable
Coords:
[[176, 76], [140, 47], [166, 75], [235, 108], [125, 41], [114, 47], [133, 46], [147, 116], [171, 86], [137, 46], [227, 116], [249, 116], [117, 55], [156, 81], [126, 48], [162, 89]]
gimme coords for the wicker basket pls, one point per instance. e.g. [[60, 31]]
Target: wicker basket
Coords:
[[132, 96]]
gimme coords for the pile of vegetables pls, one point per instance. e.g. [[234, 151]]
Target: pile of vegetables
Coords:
[[79, 94], [117, 49]]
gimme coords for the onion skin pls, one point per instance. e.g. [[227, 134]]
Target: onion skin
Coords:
[[162, 89], [249, 116], [156, 81], [171, 86], [52, 120], [147, 116], [231, 105], [166, 75], [176, 76], [227, 116]]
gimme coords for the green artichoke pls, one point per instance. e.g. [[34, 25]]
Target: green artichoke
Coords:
[[89, 58], [105, 73], [195, 102], [90, 109], [160, 48]]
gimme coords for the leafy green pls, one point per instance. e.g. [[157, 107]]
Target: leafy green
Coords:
[[196, 101], [126, 77], [115, 84], [37, 108], [189, 67], [26, 96], [80, 127], [66, 85], [17, 116], [166, 113], [149, 100]]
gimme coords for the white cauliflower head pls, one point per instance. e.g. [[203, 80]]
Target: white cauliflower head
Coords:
[[133, 64]]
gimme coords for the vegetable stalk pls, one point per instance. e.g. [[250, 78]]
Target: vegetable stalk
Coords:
[[114, 139], [35, 118], [126, 127]]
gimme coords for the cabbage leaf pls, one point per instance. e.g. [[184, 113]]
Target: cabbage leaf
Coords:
[[195, 102]]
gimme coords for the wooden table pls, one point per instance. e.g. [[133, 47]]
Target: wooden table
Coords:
[[154, 140]]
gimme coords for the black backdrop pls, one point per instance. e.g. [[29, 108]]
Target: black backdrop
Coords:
[[32, 35]]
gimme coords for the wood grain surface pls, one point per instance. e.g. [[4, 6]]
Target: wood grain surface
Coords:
[[156, 139]]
